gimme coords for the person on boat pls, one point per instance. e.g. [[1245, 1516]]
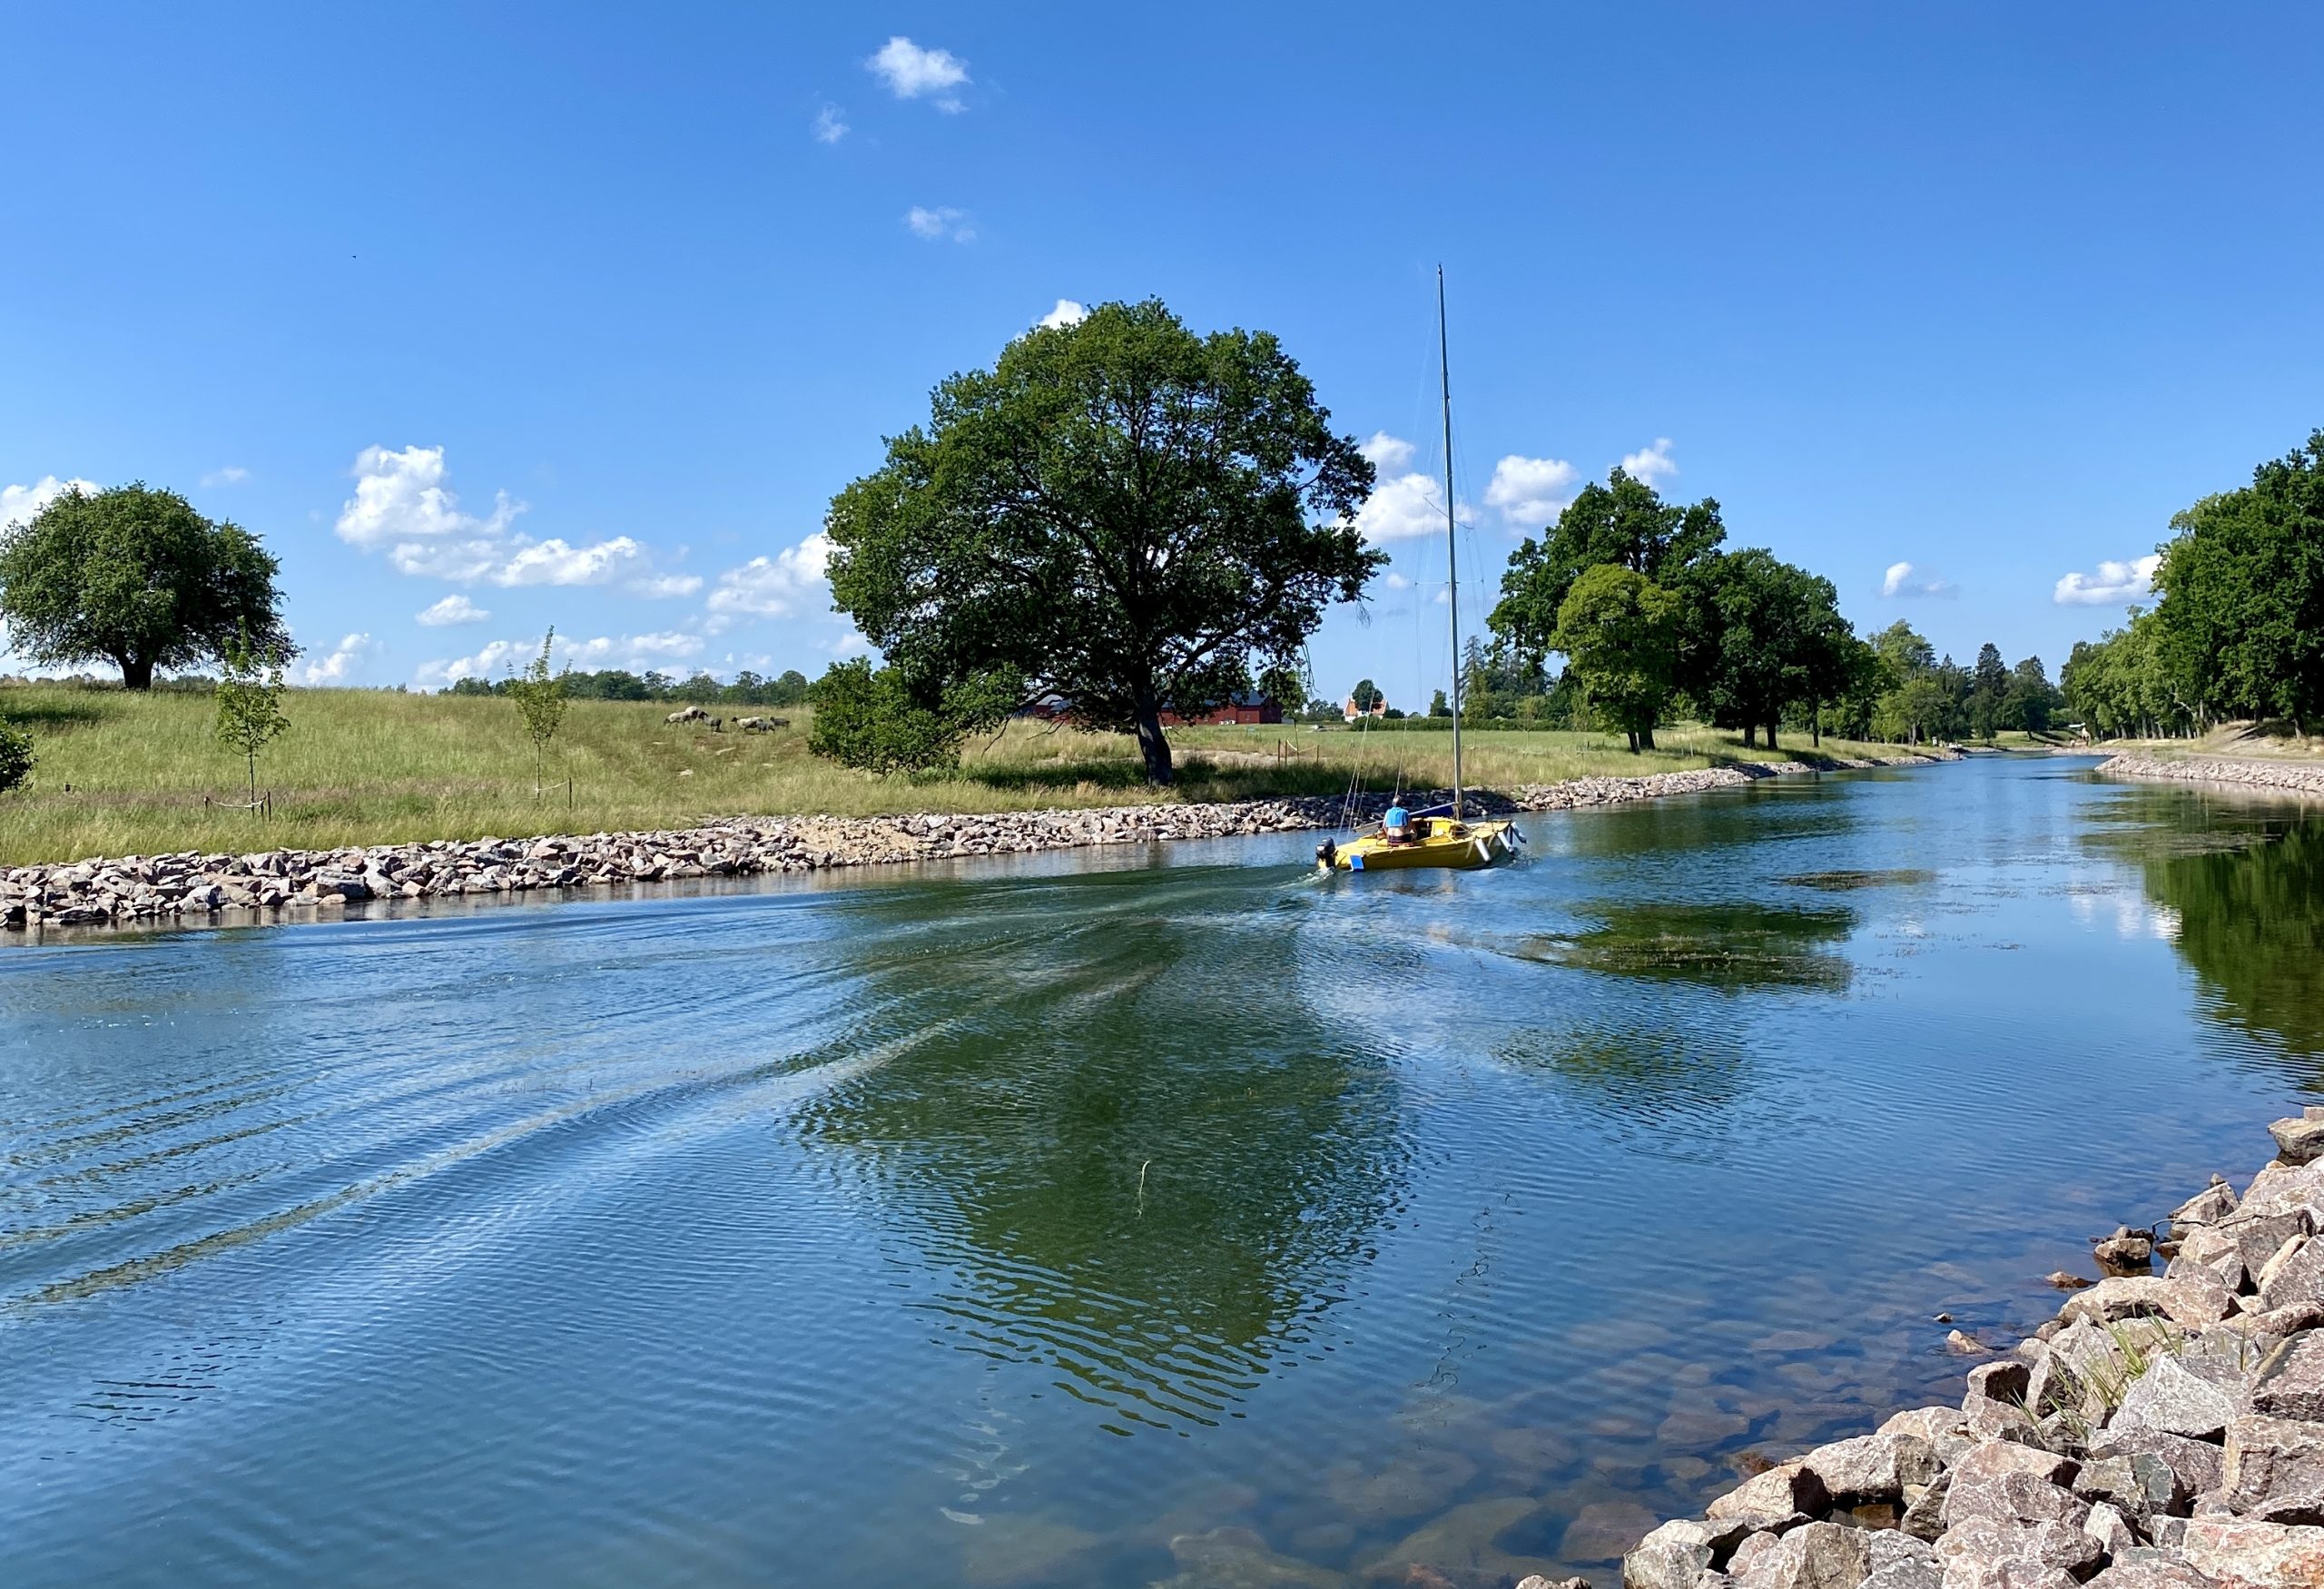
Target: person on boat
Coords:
[[1397, 825]]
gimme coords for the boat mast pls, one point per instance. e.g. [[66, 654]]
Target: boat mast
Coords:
[[1452, 541]]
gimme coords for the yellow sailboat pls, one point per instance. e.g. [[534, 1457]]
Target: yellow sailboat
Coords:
[[1441, 836]]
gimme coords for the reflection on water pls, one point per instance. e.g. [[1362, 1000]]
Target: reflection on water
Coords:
[[1142, 1185], [1117, 1220], [2243, 887]]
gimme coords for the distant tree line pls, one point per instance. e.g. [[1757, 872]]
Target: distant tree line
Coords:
[[788, 688], [2238, 632]]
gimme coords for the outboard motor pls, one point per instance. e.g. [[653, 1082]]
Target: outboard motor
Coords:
[[1327, 852]]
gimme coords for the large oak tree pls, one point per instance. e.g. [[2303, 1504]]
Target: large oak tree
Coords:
[[1120, 513], [136, 576]]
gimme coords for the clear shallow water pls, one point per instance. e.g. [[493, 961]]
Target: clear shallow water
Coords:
[[1098, 1218]]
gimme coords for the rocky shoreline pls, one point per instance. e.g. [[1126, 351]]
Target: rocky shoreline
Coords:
[[274, 884], [2285, 777], [2162, 1432]]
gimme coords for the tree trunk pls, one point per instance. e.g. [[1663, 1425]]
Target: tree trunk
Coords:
[[136, 672], [1771, 737], [1646, 737], [1153, 746], [1751, 737], [1634, 734], [1815, 727]]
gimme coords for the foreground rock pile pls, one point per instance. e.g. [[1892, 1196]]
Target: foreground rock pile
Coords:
[[2294, 777], [149, 889], [2162, 1432]]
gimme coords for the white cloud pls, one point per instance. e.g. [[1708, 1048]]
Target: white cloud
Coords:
[[2114, 584], [1067, 313], [1904, 579], [335, 668], [941, 223], [402, 503], [910, 72], [1395, 581], [499, 658], [850, 645], [402, 497], [774, 586], [228, 476], [1653, 464], [1531, 491], [455, 608], [1388, 454], [831, 124], [22, 504]]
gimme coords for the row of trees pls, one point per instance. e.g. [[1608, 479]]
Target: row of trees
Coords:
[[2238, 632], [1645, 605], [789, 688]]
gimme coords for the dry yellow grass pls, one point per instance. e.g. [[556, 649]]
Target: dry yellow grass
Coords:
[[144, 774]]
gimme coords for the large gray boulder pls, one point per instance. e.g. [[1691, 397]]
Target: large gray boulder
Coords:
[[1821, 1556], [2273, 1469], [2190, 1303], [2289, 1382], [2170, 1398], [1783, 1489], [2299, 1142], [2295, 1275], [1898, 1561], [2004, 1481], [2207, 1253], [1872, 1468], [2139, 1484], [2144, 1567], [2238, 1555], [2208, 1207], [1669, 1558], [1943, 1428], [2258, 1235], [1992, 1553], [2195, 1464]]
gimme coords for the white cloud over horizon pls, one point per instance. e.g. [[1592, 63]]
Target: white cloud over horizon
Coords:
[[455, 608], [499, 658], [338, 667], [1530, 492], [2114, 585], [1067, 313], [232, 475], [912, 72], [1903, 579], [829, 124]]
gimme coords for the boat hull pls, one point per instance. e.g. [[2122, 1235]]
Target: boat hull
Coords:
[[1448, 845]]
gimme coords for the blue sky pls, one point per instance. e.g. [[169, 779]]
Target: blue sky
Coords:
[[579, 315]]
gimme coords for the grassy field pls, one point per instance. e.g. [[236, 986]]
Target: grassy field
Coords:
[[144, 775]]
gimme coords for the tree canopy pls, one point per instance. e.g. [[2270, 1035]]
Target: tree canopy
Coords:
[[2240, 625], [1120, 512], [136, 576], [1620, 633], [1625, 523]]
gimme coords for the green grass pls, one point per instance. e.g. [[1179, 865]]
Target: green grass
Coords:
[[122, 774]]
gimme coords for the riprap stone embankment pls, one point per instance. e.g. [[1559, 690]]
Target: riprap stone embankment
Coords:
[[2162, 1432], [2285, 776], [190, 886]]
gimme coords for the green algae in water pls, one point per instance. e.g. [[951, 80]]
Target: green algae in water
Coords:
[[1732, 947], [1844, 882]]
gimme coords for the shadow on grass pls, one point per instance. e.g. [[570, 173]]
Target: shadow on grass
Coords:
[[54, 714]]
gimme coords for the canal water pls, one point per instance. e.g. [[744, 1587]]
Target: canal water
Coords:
[[1120, 1217]]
